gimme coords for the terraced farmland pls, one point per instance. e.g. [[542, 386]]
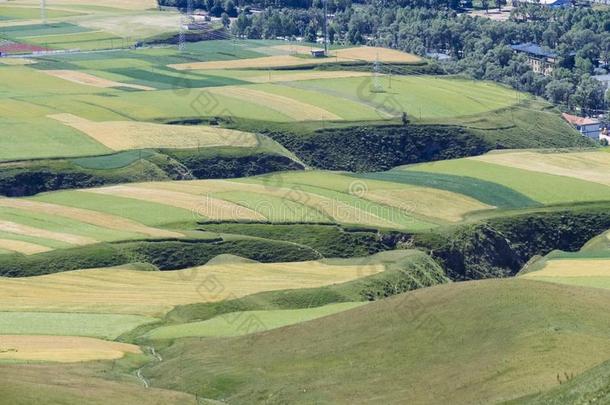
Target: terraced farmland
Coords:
[[241, 222]]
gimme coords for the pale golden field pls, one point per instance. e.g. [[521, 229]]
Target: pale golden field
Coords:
[[206, 206], [432, 203], [359, 54], [292, 108], [87, 216], [141, 25], [590, 166], [90, 80], [62, 349], [20, 229], [124, 135], [123, 291], [279, 77], [16, 61], [206, 189], [26, 248], [573, 268]]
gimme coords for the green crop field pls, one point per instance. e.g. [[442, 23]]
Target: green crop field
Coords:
[[107, 326], [26, 13], [541, 187], [233, 324], [240, 221]]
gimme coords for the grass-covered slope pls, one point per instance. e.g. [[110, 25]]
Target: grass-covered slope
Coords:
[[476, 342], [34, 384], [591, 387], [24, 178]]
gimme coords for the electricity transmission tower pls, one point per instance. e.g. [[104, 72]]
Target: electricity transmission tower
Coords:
[[43, 11], [325, 27], [185, 19]]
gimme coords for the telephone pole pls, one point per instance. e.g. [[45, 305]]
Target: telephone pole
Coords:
[[43, 11], [325, 27]]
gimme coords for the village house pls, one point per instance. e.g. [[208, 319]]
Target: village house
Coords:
[[547, 3], [589, 127], [541, 60]]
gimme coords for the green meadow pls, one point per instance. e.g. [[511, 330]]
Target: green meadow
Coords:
[[243, 323], [106, 326]]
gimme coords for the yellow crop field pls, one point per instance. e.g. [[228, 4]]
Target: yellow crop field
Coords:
[[590, 166], [359, 54], [62, 349], [285, 105], [278, 77], [20, 229], [90, 80], [428, 202], [19, 246], [206, 206], [124, 291], [573, 268], [16, 61], [372, 53], [124, 135], [207, 189], [87, 216]]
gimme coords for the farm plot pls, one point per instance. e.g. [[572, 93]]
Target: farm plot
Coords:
[[13, 12], [589, 166], [166, 79], [119, 4], [16, 61], [422, 97], [230, 324], [86, 216], [290, 107], [62, 349], [35, 226], [123, 135], [90, 80], [144, 212], [541, 187], [204, 207], [152, 293], [585, 272], [19, 246], [349, 55], [335, 197], [39, 30], [306, 204], [104, 326]]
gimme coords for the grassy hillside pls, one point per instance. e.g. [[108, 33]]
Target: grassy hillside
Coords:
[[515, 335], [21, 385], [590, 387]]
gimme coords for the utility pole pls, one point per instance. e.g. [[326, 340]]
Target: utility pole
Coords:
[[43, 11], [184, 22], [325, 27]]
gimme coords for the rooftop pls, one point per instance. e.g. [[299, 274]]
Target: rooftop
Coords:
[[575, 120], [534, 49]]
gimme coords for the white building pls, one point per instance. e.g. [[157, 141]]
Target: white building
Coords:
[[589, 127]]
